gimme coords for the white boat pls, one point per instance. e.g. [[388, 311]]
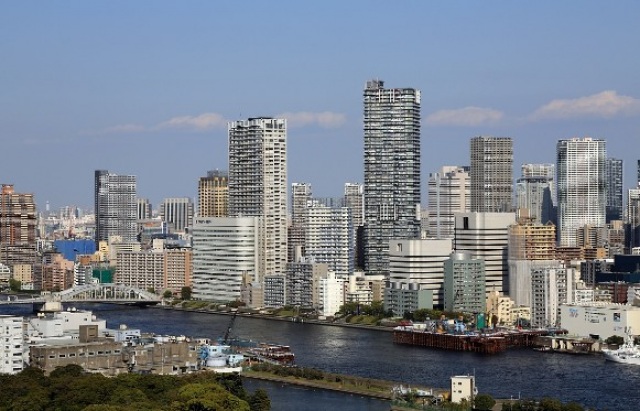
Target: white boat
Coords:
[[627, 353]]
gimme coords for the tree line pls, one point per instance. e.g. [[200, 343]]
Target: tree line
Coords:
[[69, 388]]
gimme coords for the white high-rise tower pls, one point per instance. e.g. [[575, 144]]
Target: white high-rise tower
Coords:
[[581, 186], [258, 184]]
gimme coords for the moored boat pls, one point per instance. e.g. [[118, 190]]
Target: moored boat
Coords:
[[627, 353]]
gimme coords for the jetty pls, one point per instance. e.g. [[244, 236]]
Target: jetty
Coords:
[[483, 343]]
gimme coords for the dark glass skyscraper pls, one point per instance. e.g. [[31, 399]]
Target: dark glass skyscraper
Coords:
[[391, 170], [614, 189]]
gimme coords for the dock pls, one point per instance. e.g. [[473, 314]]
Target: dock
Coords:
[[482, 343]]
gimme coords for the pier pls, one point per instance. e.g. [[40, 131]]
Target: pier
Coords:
[[490, 343]]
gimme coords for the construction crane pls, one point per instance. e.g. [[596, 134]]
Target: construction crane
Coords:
[[227, 334]]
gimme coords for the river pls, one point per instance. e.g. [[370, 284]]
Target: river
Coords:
[[588, 379]]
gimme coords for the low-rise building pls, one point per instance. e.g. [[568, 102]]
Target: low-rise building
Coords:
[[602, 319], [11, 344]]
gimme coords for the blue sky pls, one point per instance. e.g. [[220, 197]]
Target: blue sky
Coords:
[[147, 87]]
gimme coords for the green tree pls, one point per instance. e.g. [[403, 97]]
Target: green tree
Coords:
[[15, 285], [572, 406], [483, 402], [167, 294], [550, 404], [185, 293], [66, 372], [259, 401], [615, 339]]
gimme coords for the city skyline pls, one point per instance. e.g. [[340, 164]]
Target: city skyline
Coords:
[[149, 92]]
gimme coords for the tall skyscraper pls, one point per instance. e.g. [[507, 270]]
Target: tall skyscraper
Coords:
[[614, 189], [258, 183], [581, 186], [535, 192], [391, 170], [115, 206], [17, 227], [213, 194], [491, 174], [449, 193], [177, 212]]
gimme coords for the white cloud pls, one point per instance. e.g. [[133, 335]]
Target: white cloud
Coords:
[[606, 104], [205, 121], [467, 116], [201, 122], [325, 119]]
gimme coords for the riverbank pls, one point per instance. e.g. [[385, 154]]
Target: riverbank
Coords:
[[274, 317], [348, 384]]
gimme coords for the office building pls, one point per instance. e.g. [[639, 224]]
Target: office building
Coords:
[[449, 193], [486, 236], [581, 186], [258, 184], [391, 170], [330, 294], [18, 223], [418, 265], [177, 212], [613, 176], [464, 284], [213, 194], [225, 253], [144, 209], [115, 206], [491, 174]]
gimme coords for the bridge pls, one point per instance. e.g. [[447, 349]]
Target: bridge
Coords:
[[89, 293]]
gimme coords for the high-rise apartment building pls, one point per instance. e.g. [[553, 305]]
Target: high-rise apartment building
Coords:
[[115, 206], [354, 201], [300, 197], [614, 172], [18, 222], [633, 218], [464, 284], [258, 183], [177, 212], [491, 174], [581, 186], [213, 194], [328, 237], [449, 193], [391, 170], [535, 193]]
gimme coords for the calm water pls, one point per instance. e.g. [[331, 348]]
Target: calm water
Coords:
[[587, 380]]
